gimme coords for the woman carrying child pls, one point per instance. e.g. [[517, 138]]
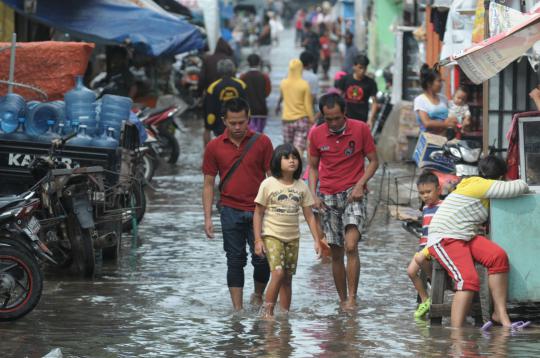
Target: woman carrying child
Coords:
[[276, 223]]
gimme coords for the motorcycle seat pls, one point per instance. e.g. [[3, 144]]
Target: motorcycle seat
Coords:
[[153, 111], [6, 201]]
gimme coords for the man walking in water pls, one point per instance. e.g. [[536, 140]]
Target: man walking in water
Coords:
[[242, 158], [340, 147]]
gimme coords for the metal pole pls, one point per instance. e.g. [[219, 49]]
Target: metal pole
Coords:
[[12, 63], [485, 90], [359, 25]]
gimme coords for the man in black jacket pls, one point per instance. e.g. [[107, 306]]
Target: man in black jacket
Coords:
[[225, 88]]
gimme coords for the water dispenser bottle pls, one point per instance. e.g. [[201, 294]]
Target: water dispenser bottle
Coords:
[[114, 110], [82, 139], [107, 140], [51, 133], [12, 110], [42, 116], [80, 107]]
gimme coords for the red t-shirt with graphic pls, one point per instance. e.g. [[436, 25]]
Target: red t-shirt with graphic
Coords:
[[325, 46], [356, 94], [341, 156]]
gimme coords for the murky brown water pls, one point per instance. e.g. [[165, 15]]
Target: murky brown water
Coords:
[[167, 297]]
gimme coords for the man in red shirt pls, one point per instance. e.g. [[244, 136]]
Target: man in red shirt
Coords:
[[237, 196], [340, 147]]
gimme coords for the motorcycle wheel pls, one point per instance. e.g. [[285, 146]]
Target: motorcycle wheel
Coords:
[[21, 283], [148, 167], [82, 247], [137, 194], [113, 253], [170, 149]]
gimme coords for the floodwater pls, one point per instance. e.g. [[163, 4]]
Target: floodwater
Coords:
[[167, 296]]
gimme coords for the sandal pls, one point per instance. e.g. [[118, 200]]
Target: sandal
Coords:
[[515, 325], [520, 325], [422, 309]]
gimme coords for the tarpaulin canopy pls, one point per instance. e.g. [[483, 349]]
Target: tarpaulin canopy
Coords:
[[117, 22], [50, 66], [485, 59]]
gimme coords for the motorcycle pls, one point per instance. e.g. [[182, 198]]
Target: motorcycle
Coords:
[[21, 251], [187, 74], [74, 215], [385, 107], [462, 157], [160, 123], [148, 158]]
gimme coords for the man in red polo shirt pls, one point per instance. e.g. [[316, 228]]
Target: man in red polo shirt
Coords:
[[237, 196], [340, 147]]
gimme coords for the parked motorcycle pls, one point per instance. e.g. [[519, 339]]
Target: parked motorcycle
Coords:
[[75, 211], [187, 75], [460, 155], [21, 250], [385, 107], [160, 123]]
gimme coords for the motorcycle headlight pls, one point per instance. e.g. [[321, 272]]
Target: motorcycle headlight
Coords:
[[455, 152], [470, 155]]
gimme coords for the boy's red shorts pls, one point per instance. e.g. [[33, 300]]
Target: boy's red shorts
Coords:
[[458, 257]]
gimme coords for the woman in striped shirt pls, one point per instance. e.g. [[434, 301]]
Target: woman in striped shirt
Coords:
[[455, 242]]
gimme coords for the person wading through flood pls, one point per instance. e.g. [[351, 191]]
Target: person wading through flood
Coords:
[[340, 146], [238, 187], [297, 107]]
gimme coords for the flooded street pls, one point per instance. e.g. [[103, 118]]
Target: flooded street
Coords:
[[167, 296]]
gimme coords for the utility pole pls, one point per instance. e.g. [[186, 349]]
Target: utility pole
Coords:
[[359, 25]]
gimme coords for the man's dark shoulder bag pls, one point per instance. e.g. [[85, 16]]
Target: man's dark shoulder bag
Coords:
[[235, 166]]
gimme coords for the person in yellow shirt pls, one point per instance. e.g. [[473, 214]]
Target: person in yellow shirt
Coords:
[[297, 107]]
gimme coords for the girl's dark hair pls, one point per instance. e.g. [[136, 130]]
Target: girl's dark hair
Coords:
[[330, 100], [492, 167], [284, 150], [428, 75], [428, 177]]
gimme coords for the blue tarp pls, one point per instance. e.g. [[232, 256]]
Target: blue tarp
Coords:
[[111, 22]]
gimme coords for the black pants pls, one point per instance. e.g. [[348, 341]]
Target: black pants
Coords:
[[237, 228]]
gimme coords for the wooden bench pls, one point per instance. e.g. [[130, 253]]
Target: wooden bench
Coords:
[[441, 281]]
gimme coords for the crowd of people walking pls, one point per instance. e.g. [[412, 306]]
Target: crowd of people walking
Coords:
[[262, 190]]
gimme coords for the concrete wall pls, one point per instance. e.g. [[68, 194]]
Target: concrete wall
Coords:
[[382, 45]]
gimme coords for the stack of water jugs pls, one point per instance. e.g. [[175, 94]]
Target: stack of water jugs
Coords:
[[97, 123]]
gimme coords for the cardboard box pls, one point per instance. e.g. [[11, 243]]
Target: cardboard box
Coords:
[[427, 144]]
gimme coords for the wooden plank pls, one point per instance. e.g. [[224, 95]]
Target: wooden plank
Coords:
[[438, 279]]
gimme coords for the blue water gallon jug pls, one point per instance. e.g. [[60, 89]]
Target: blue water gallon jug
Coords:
[[12, 111], [107, 140], [114, 110], [42, 116], [51, 133], [80, 107], [82, 139]]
